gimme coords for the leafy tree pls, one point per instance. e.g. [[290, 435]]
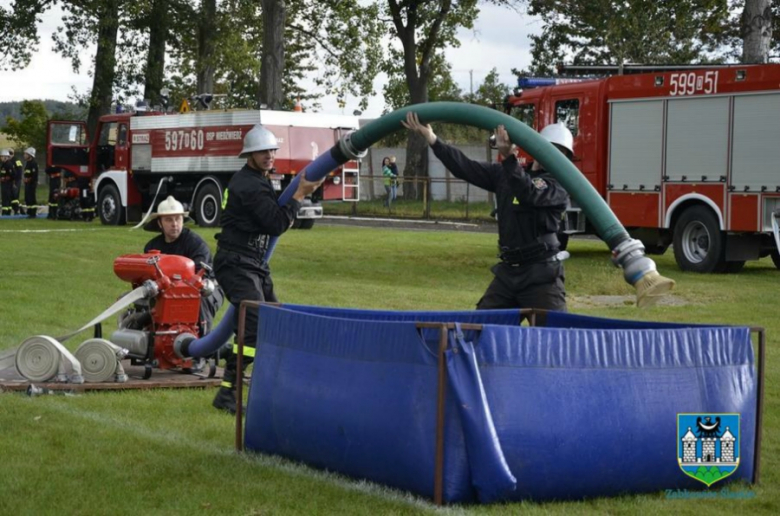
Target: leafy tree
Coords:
[[673, 31], [424, 29], [756, 24], [30, 129]]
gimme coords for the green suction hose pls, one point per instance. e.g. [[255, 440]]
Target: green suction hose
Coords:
[[638, 269], [579, 188]]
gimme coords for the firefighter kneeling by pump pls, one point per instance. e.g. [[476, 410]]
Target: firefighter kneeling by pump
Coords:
[[181, 286]]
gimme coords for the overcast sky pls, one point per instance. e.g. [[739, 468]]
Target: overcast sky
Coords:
[[499, 40]]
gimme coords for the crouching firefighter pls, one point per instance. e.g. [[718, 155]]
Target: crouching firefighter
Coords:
[[250, 217], [530, 206]]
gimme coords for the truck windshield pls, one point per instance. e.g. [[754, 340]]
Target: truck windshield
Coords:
[[68, 134]]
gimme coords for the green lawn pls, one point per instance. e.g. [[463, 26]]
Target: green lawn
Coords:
[[169, 452], [440, 210]]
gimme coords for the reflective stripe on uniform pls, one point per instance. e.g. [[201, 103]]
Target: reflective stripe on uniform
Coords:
[[224, 199], [226, 384], [248, 352]]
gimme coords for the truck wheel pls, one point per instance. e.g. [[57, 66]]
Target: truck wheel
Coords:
[[776, 258], [208, 206], [699, 244], [307, 224], [110, 206]]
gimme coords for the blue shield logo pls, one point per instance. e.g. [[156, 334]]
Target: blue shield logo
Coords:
[[708, 445]]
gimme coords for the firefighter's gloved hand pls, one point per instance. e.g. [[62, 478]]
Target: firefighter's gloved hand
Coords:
[[413, 124], [209, 286], [504, 145]]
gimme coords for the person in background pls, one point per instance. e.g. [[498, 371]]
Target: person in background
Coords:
[[388, 179], [55, 177], [251, 216], [30, 182], [394, 169], [17, 181], [6, 181], [531, 204]]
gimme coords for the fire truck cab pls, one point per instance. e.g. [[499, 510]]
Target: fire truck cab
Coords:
[[683, 157], [137, 159]]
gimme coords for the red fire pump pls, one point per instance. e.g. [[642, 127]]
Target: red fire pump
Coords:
[[167, 312]]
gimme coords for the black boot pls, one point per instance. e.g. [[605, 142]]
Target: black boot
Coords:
[[225, 400]]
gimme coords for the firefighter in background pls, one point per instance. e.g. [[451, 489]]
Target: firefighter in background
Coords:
[[18, 171], [250, 217], [6, 181], [30, 182], [86, 198], [531, 204], [174, 238], [55, 176]]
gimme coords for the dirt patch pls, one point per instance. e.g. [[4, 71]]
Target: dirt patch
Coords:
[[601, 301]]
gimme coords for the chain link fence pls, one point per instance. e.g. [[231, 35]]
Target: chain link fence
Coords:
[[438, 196]]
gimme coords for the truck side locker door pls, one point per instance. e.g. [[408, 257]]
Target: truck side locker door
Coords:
[[120, 152], [67, 146], [526, 113]]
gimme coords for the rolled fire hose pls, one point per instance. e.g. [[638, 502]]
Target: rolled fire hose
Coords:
[[638, 270], [40, 359], [100, 359], [37, 356]]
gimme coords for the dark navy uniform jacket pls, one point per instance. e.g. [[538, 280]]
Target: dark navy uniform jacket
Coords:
[[252, 213], [530, 205]]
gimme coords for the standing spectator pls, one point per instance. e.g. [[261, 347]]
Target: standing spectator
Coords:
[[388, 180], [394, 168], [6, 181], [18, 170], [54, 174], [30, 182]]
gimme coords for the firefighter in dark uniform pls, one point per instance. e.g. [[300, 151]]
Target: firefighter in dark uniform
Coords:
[[18, 171], [174, 238], [30, 182], [6, 181], [86, 198], [530, 206], [250, 217], [55, 176]]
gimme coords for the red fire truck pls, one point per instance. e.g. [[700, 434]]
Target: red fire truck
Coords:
[[682, 156], [138, 157]]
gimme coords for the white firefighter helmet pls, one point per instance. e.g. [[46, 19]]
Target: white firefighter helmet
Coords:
[[560, 135], [169, 206], [258, 139], [5, 154], [30, 151]]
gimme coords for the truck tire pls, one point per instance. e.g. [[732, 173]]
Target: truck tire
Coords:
[[110, 206], [306, 224], [208, 206], [699, 244]]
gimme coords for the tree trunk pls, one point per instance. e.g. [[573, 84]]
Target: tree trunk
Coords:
[[272, 58], [105, 64], [416, 146], [155, 60], [206, 32], [756, 31]]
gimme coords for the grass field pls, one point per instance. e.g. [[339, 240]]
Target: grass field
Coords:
[[169, 452], [478, 211]]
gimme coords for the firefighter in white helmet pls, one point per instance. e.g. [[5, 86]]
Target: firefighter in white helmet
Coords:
[[174, 238], [6, 181], [250, 217], [530, 207], [30, 182]]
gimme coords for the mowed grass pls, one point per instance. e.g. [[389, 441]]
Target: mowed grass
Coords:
[[169, 452], [402, 208]]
